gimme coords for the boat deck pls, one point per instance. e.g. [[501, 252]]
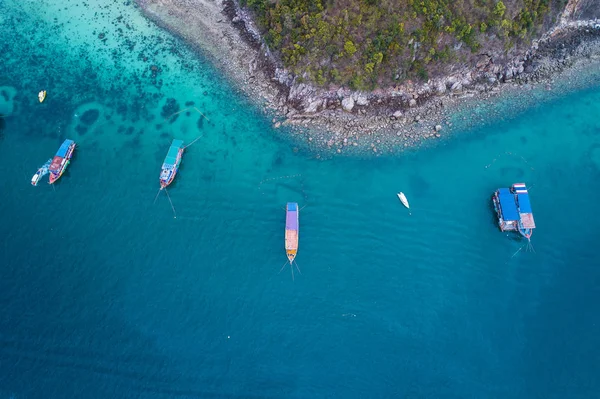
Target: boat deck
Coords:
[[56, 164], [527, 220], [291, 239]]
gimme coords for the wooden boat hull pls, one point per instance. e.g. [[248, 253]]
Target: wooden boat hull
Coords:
[[61, 160]]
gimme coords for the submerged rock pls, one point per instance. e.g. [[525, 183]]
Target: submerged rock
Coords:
[[7, 95], [169, 110], [90, 116]]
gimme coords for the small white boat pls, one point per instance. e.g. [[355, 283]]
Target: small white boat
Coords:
[[42, 171], [42, 96], [403, 199]]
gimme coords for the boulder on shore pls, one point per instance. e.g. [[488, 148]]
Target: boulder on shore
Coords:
[[362, 100], [348, 104]]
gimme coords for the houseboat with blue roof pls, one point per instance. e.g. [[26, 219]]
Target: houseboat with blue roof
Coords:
[[513, 208], [171, 163]]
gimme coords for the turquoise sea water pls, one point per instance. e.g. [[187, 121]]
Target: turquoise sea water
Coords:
[[106, 295]]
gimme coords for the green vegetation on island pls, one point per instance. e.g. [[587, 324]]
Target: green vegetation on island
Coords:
[[365, 44]]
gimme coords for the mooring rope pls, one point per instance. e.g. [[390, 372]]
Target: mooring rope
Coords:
[[187, 109], [276, 179], [171, 202], [510, 154]]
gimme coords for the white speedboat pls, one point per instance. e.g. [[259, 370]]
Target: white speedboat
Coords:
[[403, 199]]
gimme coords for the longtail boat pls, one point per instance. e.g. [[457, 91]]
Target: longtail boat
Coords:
[[171, 163], [41, 172], [291, 230], [61, 160]]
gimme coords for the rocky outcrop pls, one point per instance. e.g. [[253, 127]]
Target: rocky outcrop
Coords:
[[221, 27]]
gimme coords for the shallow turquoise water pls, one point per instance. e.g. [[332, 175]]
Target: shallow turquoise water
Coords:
[[106, 294]]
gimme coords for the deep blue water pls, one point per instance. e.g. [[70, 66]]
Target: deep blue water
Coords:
[[106, 295]]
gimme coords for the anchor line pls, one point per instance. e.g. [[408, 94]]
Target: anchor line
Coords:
[[171, 202], [297, 267], [530, 246], [513, 255], [196, 139], [292, 264], [499, 156], [159, 190], [284, 265], [518, 250]]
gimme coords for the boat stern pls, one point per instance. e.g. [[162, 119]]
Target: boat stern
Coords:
[[291, 255]]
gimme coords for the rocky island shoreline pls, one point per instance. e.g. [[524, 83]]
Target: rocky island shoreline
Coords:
[[383, 120]]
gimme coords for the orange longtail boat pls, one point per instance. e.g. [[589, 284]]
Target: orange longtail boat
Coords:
[[291, 230]]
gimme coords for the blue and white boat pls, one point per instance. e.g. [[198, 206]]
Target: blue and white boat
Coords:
[[171, 163], [513, 208]]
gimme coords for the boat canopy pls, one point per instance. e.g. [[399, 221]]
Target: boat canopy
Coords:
[[524, 204], [56, 164], [64, 148], [171, 158], [508, 205], [291, 217]]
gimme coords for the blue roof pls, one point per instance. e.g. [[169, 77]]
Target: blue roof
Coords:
[[292, 206], [62, 151], [508, 205], [524, 204], [171, 157]]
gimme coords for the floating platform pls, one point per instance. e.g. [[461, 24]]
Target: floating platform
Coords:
[[513, 208]]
